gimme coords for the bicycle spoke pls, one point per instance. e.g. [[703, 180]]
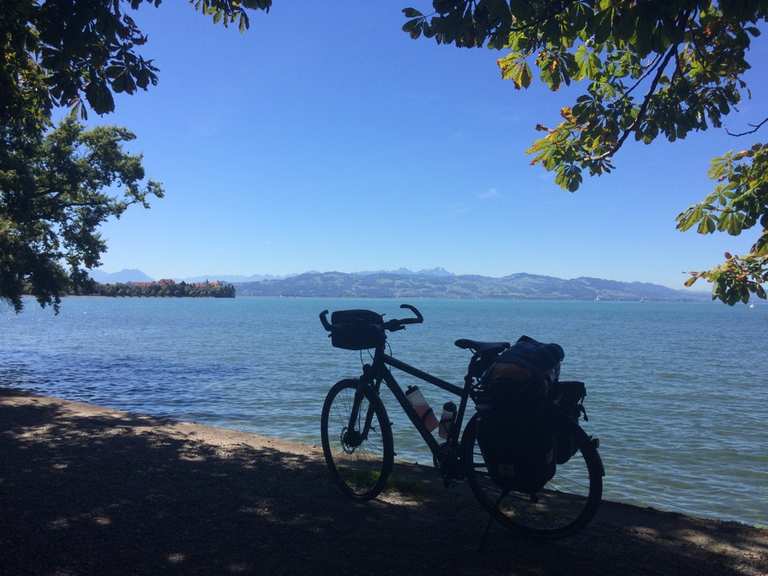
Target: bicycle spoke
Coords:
[[555, 507], [358, 458]]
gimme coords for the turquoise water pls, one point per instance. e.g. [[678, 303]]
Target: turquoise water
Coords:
[[678, 393]]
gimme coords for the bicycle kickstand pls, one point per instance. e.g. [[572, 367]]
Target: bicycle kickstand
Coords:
[[484, 539]]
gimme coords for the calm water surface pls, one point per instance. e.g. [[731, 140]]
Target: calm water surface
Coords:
[[677, 393]]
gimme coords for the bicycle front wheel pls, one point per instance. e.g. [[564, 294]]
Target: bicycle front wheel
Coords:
[[565, 505], [360, 455]]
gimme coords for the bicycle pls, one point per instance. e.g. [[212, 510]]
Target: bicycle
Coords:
[[359, 449]]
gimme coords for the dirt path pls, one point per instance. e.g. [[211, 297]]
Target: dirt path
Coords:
[[85, 490]]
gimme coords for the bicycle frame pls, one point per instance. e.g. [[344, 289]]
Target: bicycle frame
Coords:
[[374, 374], [456, 458]]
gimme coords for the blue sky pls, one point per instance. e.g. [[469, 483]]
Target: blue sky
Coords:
[[326, 139]]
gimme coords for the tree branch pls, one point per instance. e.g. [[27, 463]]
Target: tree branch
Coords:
[[651, 68], [552, 13], [641, 112], [661, 67], [755, 128]]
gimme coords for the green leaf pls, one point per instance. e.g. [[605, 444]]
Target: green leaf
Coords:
[[412, 13], [413, 27], [588, 62], [744, 294], [761, 247], [707, 225], [735, 224], [243, 24], [515, 68], [689, 218], [569, 177], [718, 166]]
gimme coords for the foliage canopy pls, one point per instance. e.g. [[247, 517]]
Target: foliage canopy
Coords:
[[657, 68], [164, 289], [56, 191], [58, 185]]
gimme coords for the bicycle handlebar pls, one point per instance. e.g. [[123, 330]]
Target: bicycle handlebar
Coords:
[[399, 324], [391, 325], [419, 318]]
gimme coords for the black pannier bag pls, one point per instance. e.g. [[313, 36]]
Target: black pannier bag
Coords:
[[357, 329], [568, 396], [516, 434]]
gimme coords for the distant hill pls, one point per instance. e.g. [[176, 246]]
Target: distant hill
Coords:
[[402, 284], [126, 275], [135, 275], [229, 278], [406, 272], [430, 283]]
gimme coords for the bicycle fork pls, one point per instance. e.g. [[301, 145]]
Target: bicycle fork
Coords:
[[353, 436]]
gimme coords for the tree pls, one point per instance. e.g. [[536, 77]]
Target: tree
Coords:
[[55, 196], [654, 68], [164, 288], [55, 182], [80, 51]]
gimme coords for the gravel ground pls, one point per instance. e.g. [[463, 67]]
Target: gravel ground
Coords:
[[85, 490]]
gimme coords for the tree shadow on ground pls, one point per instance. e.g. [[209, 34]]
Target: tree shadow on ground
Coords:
[[111, 493]]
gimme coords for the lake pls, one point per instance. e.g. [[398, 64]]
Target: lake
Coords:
[[677, 392]]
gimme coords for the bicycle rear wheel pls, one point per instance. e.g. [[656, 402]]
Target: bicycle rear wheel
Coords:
[[360, 457], [565, 505]]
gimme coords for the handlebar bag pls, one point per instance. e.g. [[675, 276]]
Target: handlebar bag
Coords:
[[357, 329], [516, 432]]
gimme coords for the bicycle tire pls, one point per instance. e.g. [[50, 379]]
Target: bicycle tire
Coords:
[[588, 451], [387, 456]]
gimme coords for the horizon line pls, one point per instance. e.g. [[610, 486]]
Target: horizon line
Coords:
[[402, 269]]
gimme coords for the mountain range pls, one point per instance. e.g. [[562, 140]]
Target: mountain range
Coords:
[[134, 275], [398, 284], [231, 278], [429, 283]]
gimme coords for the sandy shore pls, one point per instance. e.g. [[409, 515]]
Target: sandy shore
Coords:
[[86, 490]]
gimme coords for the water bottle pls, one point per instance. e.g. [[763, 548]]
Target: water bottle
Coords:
[[420, 405], [447, 418]]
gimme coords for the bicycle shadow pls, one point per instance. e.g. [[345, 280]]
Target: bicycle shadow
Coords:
[[88, 491]]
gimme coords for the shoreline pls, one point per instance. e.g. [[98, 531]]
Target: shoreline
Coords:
[[299, 446], [109, 475]]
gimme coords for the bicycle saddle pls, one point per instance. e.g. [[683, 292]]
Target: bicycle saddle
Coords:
[[481, 347]]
